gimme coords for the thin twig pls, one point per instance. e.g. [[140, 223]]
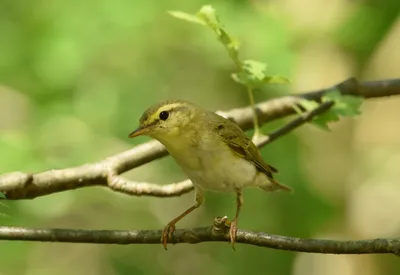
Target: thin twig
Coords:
[[256, 124], [20, 185], [302, 119]]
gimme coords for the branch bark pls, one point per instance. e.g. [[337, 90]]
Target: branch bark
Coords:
[[217, 233], [19, 185], [107, 172]]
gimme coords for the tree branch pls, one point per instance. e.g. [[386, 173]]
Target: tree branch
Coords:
[[217, 233], [304, 118], [19, 185]]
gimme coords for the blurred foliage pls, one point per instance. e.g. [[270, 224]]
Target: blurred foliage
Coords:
[[75, 77], [375, 16]]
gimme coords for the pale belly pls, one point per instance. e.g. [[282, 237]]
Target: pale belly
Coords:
[[218, 169], [210, 164]]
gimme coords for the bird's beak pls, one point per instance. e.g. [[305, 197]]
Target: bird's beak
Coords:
[[139, 131]]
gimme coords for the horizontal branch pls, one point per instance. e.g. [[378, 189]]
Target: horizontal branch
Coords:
[[217, 233], [19, 185], [283, 106]]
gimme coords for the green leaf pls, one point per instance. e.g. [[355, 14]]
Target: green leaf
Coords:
[[208, 15], [320, 121], [323, 120], [255, 69], [2, 196], [345, 106], [252, 73], [187, 17]]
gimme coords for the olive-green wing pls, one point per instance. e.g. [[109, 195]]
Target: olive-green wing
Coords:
[[240, 144], [249, 151]]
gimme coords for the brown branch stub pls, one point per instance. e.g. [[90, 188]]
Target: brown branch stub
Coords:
[[199, 235], [221, 226], [20, 185]]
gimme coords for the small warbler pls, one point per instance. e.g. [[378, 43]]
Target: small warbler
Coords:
[[213, 151]]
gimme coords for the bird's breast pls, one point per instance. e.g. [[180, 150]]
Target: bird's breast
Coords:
[[210, 163]]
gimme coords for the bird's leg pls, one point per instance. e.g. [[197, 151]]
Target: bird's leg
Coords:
[[170, 227], [233, 228]]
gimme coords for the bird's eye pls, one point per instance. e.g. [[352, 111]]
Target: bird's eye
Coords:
[[164, 115]]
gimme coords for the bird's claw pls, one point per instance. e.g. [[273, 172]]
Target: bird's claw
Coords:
[[221, 225], [232, 233], [167, 234]]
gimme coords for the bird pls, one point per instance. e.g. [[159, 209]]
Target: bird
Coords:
[[212, 151]]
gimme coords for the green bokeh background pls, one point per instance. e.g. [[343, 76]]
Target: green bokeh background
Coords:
[[75, 77]]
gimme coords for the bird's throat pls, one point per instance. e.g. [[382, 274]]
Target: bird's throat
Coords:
[[181, 147]]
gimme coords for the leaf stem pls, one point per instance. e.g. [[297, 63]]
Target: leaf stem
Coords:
[[255, 118]]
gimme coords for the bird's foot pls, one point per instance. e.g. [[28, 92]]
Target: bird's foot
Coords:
[[232, 232], [222, 225], [167, 234]]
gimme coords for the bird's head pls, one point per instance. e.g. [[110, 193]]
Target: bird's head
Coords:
[[166, 119]]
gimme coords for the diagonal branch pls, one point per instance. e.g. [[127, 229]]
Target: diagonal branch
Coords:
[[304, 118], [217, 233], [19, 185]]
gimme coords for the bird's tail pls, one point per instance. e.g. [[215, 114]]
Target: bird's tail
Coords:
[[274, 185]]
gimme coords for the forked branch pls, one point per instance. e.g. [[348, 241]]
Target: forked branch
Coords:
[[21, 185]]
